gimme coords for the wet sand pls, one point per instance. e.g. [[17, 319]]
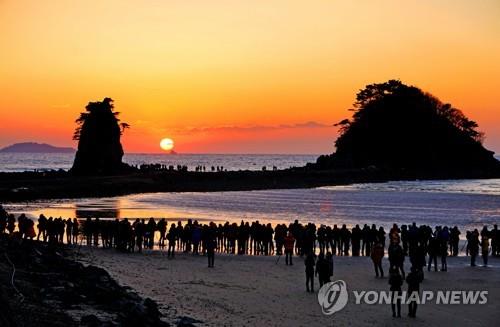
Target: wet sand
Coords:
[[255, 291]]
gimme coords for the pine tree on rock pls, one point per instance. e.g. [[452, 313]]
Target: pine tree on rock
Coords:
[[98, 134], [396, 126]]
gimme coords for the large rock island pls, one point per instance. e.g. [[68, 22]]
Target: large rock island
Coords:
[[398, 127], [98, 135]]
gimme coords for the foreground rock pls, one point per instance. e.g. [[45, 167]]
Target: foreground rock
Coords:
[[50, 289]]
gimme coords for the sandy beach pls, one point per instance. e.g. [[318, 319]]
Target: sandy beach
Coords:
[[255, 291]]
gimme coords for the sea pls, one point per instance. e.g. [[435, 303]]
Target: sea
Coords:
[[18, 162], [467, 204]]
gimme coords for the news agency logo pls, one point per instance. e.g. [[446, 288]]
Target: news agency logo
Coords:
[[333, 297]]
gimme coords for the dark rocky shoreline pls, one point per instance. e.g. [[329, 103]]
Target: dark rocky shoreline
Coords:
[[27, 186], [50, 288]]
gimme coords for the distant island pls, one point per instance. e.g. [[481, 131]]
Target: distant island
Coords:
[[33, 147]]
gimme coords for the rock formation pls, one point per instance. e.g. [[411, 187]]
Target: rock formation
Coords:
[[395, 126], [98, 134]]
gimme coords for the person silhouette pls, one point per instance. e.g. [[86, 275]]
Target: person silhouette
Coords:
[[395, 282], [473, 247], [289, 244], [485, 248], [433, 250], [322, 270], [329, 260], [414, 278], [396, 255], [172, 238], [377, 253], [211, 244], [310, 262]]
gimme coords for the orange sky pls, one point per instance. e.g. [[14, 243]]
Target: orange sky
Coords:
[[237, 76]]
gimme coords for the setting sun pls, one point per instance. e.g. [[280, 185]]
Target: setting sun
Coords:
[[167, 144]]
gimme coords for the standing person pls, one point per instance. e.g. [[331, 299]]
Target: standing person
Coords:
[[310, 263], [495, 241], [149, 233], [196, 237], [414, 278], [404, 238], [473, 247], [289, 245], [139, 230], [377, 254], [96, 226], [30, 229], [75, 230], [444, 240], [329, 260], [87, 231], [172, 238], [395, 282], [485, 247], [69, 230], [162, 228], [322, 270], [42, 228], [211, 245], [11, 224], [454, 239], [356, 235], [381, 236], [433, 250], [396, 255]]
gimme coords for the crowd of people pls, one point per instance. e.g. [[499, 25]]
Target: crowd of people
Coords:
[[317, 245], [157, 167], [257, 238]]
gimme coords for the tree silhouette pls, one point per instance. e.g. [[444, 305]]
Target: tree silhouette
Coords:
[[98, 133], [400, 126]]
